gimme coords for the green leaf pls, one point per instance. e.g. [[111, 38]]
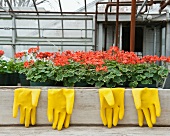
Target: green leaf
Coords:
[[99, 84], [70, 73], [163, 72], [91, 82], [59, 77], [133, 84], [147, 74], [157, 78], [110, 84], [117, 80], [140, 71], [73, 79], [139, 77], [146, 81]]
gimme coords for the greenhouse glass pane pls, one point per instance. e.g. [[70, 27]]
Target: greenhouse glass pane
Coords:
[[68, 6], [27, 28], [5, 27], [49, 28], [8, 51], [26, 23], [42, 48]]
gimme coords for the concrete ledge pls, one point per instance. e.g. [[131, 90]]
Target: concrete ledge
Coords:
[[84, 131], [86, 107]]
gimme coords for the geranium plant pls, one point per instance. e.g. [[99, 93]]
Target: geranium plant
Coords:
[[39, 71], [20, 58], [6, 66], [109, 68], [39, 67]]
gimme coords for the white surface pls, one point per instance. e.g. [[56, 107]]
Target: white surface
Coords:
[[84, 131]]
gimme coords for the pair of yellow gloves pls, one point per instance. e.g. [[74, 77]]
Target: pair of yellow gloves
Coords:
[[60, 106], [112, 105]]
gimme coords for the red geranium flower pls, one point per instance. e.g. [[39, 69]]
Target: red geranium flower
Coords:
[[1, 53], [33, 50], [19, 55]]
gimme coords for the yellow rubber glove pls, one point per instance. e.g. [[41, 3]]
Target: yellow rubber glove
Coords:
[[60, 107], [111, 105], [27, 100], [147, 104]]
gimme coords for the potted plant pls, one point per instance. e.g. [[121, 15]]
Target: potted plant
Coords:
[[9, 76], [40, 73], [2, 72], [39, 69], [111, 68], [20, 58]]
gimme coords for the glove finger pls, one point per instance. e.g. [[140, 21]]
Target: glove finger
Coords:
[[33, 116], [148, 117], [50, 109], [50, 113], [61, 120], [69, 95], [103, 116], [109, 114], [22, 115], [121, 111], [35, 96], [15, 106], [153, 114], [115, 116], [55, 121], [67, 120], [157, 104], [27, 117], [15, 110], [158, 109], [140, 117]]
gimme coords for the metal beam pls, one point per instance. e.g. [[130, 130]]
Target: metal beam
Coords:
[[9, 5], [117, 23], [56, 17], [47, 12], [85, 5], [14, 35], [132, 26], [35, 7], [168, 34], [38, 18], [9, 38], [25, 39], [62, 22], [127, 17], [59, 2], [44, 28], [100, 18], [143, 4], [47, 44], [164, 5], [154, 41]]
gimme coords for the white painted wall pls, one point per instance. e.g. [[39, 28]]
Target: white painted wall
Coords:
[[110, 35], [148, 45]]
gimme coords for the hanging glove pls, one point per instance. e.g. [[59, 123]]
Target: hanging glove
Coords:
[[60, 107], [111, 105], [27, 100], [147, 104]]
